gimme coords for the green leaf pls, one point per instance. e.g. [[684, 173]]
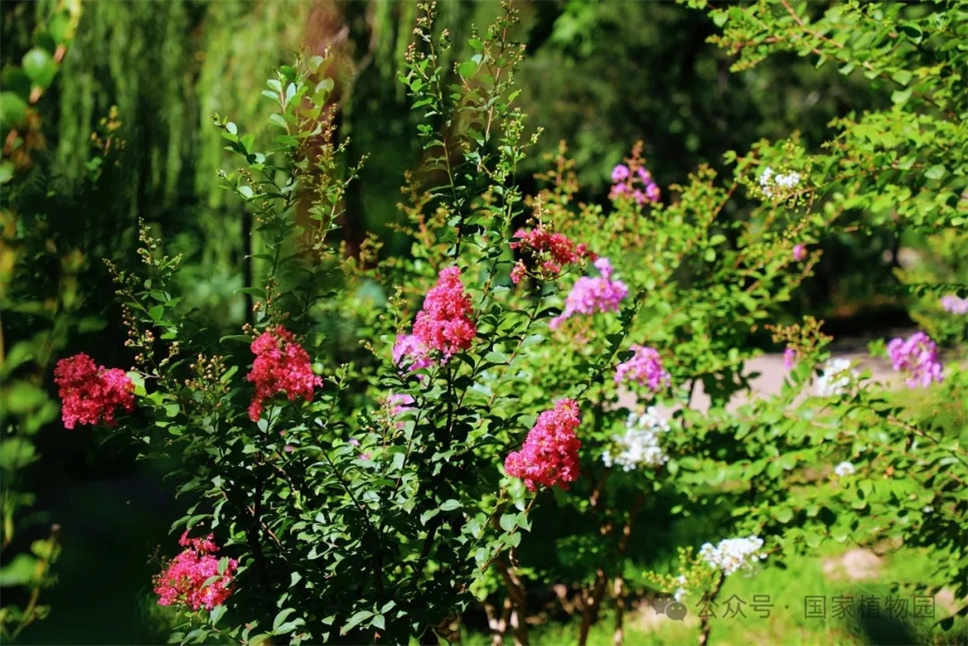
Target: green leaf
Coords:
[[902, 77], [22, 397], [467, 69], [6, 171], [509, 522], [17, 452], [216, 614], [901, 96], [39, 65], [935, 172], [281, 617], [15, 81], [912, 31], [245, 191], [20, 571], [91, 324], [450, 505], [139, 383], [355, 620], [13, 110]]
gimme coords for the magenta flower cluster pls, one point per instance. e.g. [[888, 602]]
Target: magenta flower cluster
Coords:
[[549, 456], [590, 295], [184, 580], [90, 393], [442, 326], [637, 185], [644, 368], [281, 365], [917, 357]]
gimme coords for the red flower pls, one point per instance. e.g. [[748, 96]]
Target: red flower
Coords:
[[183, 581], [90, 393], [549, 253], [444, 324], [281, 365], [549, 456]]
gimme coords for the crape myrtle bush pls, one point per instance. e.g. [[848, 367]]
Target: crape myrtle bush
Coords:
[[532, 348]]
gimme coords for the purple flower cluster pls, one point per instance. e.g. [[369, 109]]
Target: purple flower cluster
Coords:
[[789, 358], [644, 368], [954, 304], [799, 253], [590, 295], [638, 185], [916, 356]]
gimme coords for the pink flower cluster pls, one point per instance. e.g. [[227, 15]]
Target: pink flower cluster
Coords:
[[644, 368], [548, 253], [590, 295], [799, 252], [399, 403], [410, 352], [90, 393], [917, 356], [281, 365], [638, 185], [954, 304], [549, 456], [789, 357], [183, 581], [443, 325]]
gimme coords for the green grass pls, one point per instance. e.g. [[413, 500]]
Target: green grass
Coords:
[[786, 624]]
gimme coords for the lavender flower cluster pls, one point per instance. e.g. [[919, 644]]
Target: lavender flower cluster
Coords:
[[625, 183], [954, 304], [590, 295], [916, 356]]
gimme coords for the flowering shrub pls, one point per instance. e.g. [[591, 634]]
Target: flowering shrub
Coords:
[[370, 503]]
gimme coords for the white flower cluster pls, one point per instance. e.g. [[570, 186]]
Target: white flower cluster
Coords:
[[836, 378], [680, 592], [844, 469], [769, 180], [733, 554], [639, 446]]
